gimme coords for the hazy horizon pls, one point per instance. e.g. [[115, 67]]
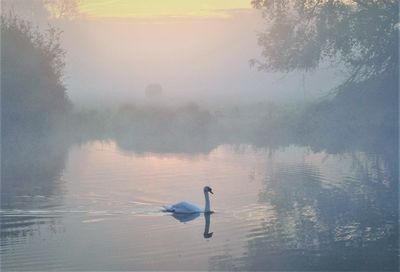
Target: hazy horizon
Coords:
[[204, 60], [198, 57]]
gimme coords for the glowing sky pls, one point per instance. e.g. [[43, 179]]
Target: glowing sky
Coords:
[[161, 8]]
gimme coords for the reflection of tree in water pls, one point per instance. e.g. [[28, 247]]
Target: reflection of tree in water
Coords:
[[324, 224], [30, 167], [18, 228], [30, 179], [165, 144]]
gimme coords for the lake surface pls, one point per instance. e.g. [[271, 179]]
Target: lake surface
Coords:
[[96, 206]]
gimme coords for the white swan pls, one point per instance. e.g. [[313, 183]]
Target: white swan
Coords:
[[186, 207]]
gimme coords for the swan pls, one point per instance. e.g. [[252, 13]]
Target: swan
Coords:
[[186, 207]]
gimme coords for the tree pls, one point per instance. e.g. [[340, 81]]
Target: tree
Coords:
[[33, 96], [39, 11], [362, 35]]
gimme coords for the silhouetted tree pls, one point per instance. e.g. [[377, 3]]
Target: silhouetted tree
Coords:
[[361, 34], [33, 96], [41, 10]]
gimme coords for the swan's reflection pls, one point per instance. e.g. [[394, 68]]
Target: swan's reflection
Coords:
[[207, 218], [186, 217]]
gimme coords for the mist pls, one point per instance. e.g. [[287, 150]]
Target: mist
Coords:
[[119, 117], [202, 60]]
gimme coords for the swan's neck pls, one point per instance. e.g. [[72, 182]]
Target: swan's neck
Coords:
[[207, 207]]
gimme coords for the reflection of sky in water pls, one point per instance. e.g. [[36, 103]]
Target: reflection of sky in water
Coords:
[[287, 209]]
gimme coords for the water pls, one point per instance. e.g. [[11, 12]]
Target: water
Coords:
[[96, 206]]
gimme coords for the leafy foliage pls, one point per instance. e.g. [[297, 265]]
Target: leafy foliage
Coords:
[[33, 94], [361, 34], [39, 10]]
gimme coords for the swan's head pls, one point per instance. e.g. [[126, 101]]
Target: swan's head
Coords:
[[207, 189]]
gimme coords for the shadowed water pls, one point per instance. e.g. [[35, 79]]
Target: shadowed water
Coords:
[[98, 207]]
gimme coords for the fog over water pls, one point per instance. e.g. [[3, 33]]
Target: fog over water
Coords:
[[105, 121]]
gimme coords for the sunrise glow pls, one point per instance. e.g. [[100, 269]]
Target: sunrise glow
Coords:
[[161, 8]]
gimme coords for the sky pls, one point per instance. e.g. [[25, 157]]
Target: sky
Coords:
[[161, 8], [198, 51]]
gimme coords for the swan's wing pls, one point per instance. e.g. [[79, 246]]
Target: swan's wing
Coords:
[[184, 207]]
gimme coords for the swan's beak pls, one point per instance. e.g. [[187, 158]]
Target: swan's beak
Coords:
[[211, 191]]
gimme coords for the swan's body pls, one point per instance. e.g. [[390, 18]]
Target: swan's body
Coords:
[[186, 207]]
